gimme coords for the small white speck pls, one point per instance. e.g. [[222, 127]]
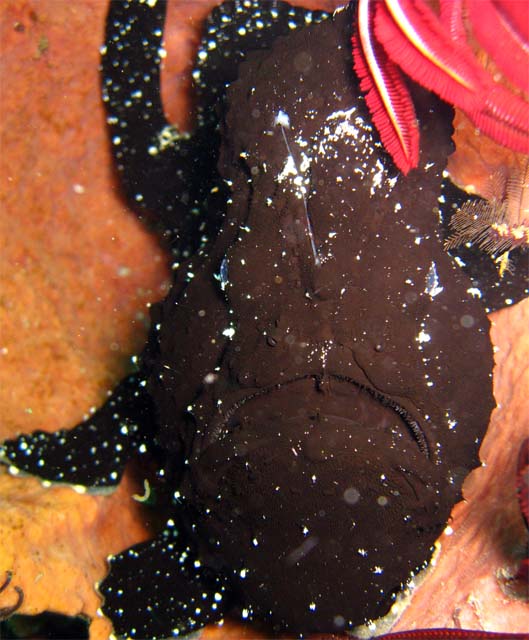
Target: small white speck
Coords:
[[423, 337], [79, 489], [229, 332]]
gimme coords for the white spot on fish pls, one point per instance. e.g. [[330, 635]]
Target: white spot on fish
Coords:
[[433, 287], [423, 337]]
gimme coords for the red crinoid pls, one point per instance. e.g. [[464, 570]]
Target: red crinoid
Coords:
[[395, 36]]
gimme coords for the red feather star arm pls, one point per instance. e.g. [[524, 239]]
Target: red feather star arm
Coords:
[[451, 17], [407, 35], [386, 94], [500, 38], [504, 118], [517, 13], [415, 38]]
